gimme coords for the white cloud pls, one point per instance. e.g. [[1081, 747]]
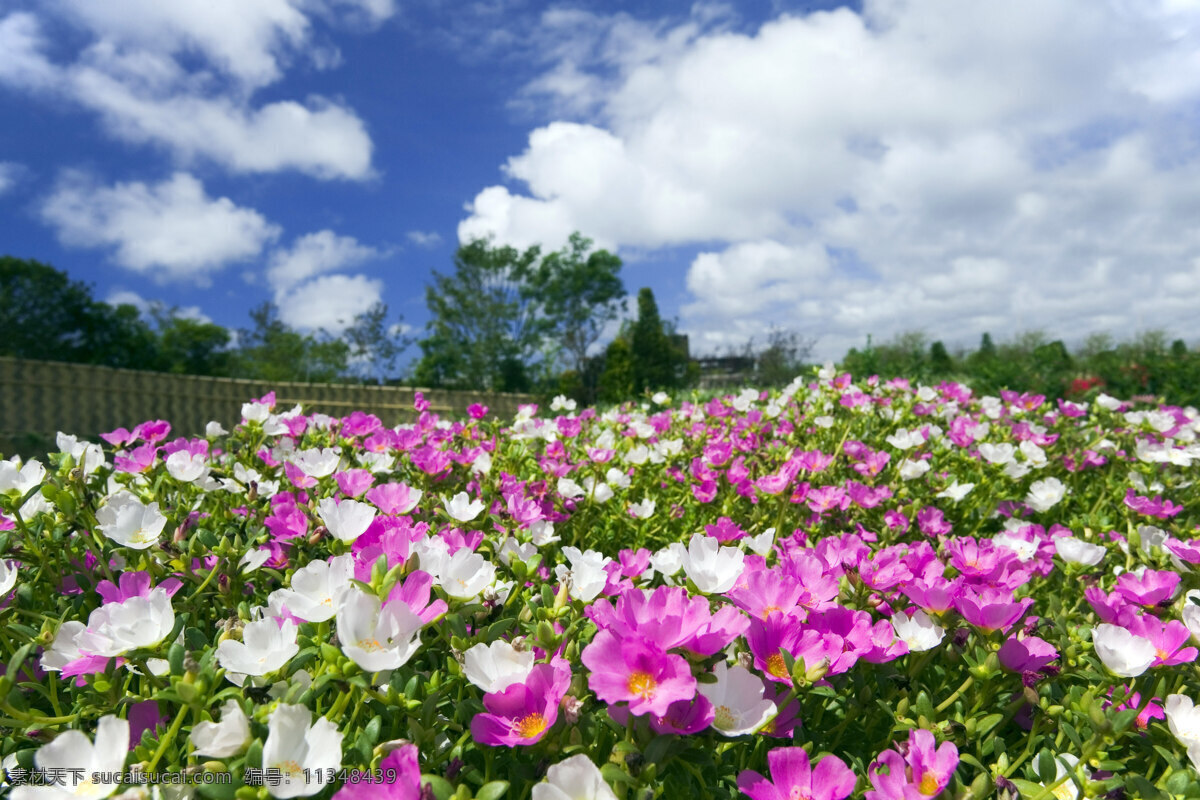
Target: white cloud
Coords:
[[10, 173], [133, 77], [939, 164], [313, 254], [170, 231], [424, 238], [330, 302], [125, 297]]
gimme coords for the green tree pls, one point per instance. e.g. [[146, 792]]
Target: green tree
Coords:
[[619, 376], [659, 360], [940, 363], [46, 315], [485, 324], [580, 293], [782, 359], [274, 352], [374, 345], [189, 346]]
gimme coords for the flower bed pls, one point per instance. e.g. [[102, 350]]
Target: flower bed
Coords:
[[871, 590]]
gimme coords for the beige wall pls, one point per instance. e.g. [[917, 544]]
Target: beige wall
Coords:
[[42, 397]]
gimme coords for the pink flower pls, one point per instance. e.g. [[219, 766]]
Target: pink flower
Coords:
[[792, 777], [765, 591], [1154, 587], [1026, 653], [394, 498], [354, 482], [402, 766], [522, 713], [922, 774], [990, 609], [683, 717], [477, 411], [769, 638], [669, 618], [634, 671], [1168, 639]]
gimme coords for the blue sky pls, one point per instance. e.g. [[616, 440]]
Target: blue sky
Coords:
[[947, 166]]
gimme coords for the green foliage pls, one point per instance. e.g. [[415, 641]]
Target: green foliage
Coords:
[[619, 377], [272, 351], [374, 345], [506, 319]]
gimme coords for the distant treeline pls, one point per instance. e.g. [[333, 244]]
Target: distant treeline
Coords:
[[509, 320], [1150, 364]]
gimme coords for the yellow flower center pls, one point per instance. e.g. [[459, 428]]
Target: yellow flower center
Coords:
[[530, 726], [776, 665], [1065, 791], [767, 611], [289, 768], [642, 684], [928, 785], [723, 717], [370, 645], [1163, 655]]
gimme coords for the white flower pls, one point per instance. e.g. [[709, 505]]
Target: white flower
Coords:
[[65, 647], [660, 398], [1110, 403], [1025, 550], [669, 560], [1077, 551], [714, 569], [510, 547], [586, 577], [1183, 718], [18, 479], [1033, 454], [495, 667], [574, 778], [737, 699], [617, 478], [465, 574], [762, 543], [919, 632], [138, 622], [482, 464], [317, 463], [346, 520], [541, 533], [70, 751], [1045, 494], [910, 469], [377, 636], [253, 559], [956, 491], [225, 738], [597, 492], [214, 429], [297, 747], [376, 462], [904, 439], [88, 456], [265, 647], [1017, 469], [318, 588], [8, 576], [1191, 615], [1122, 652], [1001, 453], [432, 554], [462, 508], [644, 509], [255, 412], [127, 521], [187, 467], [562, 403], [1151, 537], [636, 455], [570, 489]]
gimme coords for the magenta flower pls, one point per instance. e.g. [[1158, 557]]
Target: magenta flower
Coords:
[[769, 638], [1152, 588], [786, 719], [990, 609], [354, 482], [522, 713], [1153, 709], [683, 717], [922, 774], [1111, 608], [933, 593], [766, 591], [669, 618], [394, 498], [1168, 639], [635, 671], [792, 777], [1026, 653]]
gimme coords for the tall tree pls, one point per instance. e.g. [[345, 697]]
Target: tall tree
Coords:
[[485, 320], [581, 294], [374, 344], [659, 361], [272, 351], [46, 315]]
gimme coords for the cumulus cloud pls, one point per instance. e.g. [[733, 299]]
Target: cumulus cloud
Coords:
[[424, 238], [937, 164], [131, 73], [125, 297], [329, 301], [169, 231], [314, 254]]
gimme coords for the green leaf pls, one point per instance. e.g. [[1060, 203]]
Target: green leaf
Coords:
[[441, 787], [1178, 782], [1047, 771], [492, 791]]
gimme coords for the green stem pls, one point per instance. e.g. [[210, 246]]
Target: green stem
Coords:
[[167, 739]]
